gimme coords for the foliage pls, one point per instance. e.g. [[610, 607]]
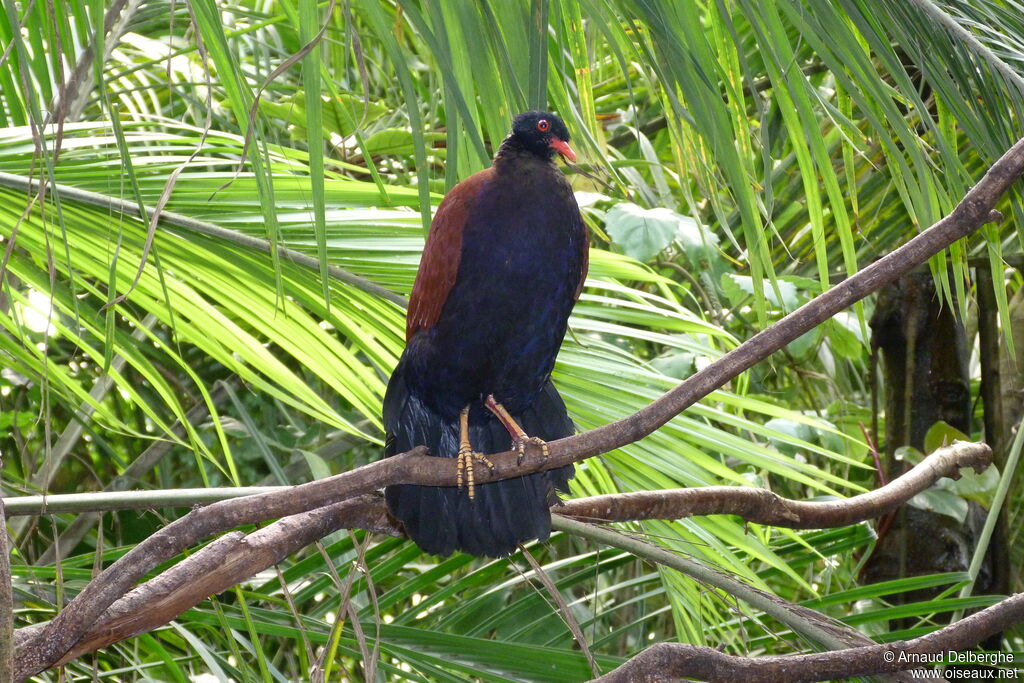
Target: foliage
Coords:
[[747, 153]]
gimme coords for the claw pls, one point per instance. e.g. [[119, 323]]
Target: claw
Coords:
[[464, 463], [519, 445], [519, 437]]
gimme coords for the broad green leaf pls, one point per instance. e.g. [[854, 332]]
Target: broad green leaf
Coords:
[[644, 233], [942, 502]]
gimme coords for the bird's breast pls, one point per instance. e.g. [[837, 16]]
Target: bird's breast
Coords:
[[520, 260], [505, 317]]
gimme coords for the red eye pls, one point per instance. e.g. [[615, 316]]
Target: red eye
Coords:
[[543, 126]]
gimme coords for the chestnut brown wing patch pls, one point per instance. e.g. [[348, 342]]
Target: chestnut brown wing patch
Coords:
[[442, 253]]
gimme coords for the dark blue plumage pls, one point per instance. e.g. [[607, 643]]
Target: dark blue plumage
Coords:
[[503, 266]]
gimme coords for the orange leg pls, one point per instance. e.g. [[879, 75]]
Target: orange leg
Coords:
[[519, 437], [467, 455]]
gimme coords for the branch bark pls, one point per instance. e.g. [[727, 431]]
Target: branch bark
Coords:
[[671, 661], [974, 210]]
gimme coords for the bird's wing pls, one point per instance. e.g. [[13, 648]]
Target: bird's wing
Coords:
[[441, 254]]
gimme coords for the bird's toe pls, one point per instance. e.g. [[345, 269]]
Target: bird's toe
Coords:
[[539, 445], [464, 468]]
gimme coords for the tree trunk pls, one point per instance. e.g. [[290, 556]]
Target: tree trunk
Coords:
[[925, 357]]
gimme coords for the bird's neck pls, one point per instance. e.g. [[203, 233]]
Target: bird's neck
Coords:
[[512, 152]]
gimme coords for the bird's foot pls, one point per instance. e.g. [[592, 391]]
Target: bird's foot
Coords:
[[464, 468], [519, 446]]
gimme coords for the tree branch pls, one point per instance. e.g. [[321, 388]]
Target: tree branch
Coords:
[[222, 564], [815, 626], [671, 661], [975, 209], [761, 506]]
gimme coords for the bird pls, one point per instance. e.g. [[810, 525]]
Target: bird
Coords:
[[504, 262]]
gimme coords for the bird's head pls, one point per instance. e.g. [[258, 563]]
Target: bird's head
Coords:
[[541, 133]]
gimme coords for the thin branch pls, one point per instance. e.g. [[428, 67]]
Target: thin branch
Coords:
[[43, 478], [108, 501], [567, 616], [66, 541], [761, 506], [974, 210], [671, 661], [117, 579], [815, 626], [202, 227]]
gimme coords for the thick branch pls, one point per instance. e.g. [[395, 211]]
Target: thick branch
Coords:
[[671, 661], [235, 557], [224, 563], [976, 209]]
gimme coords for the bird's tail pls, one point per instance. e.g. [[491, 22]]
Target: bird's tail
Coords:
[[502, 514]]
